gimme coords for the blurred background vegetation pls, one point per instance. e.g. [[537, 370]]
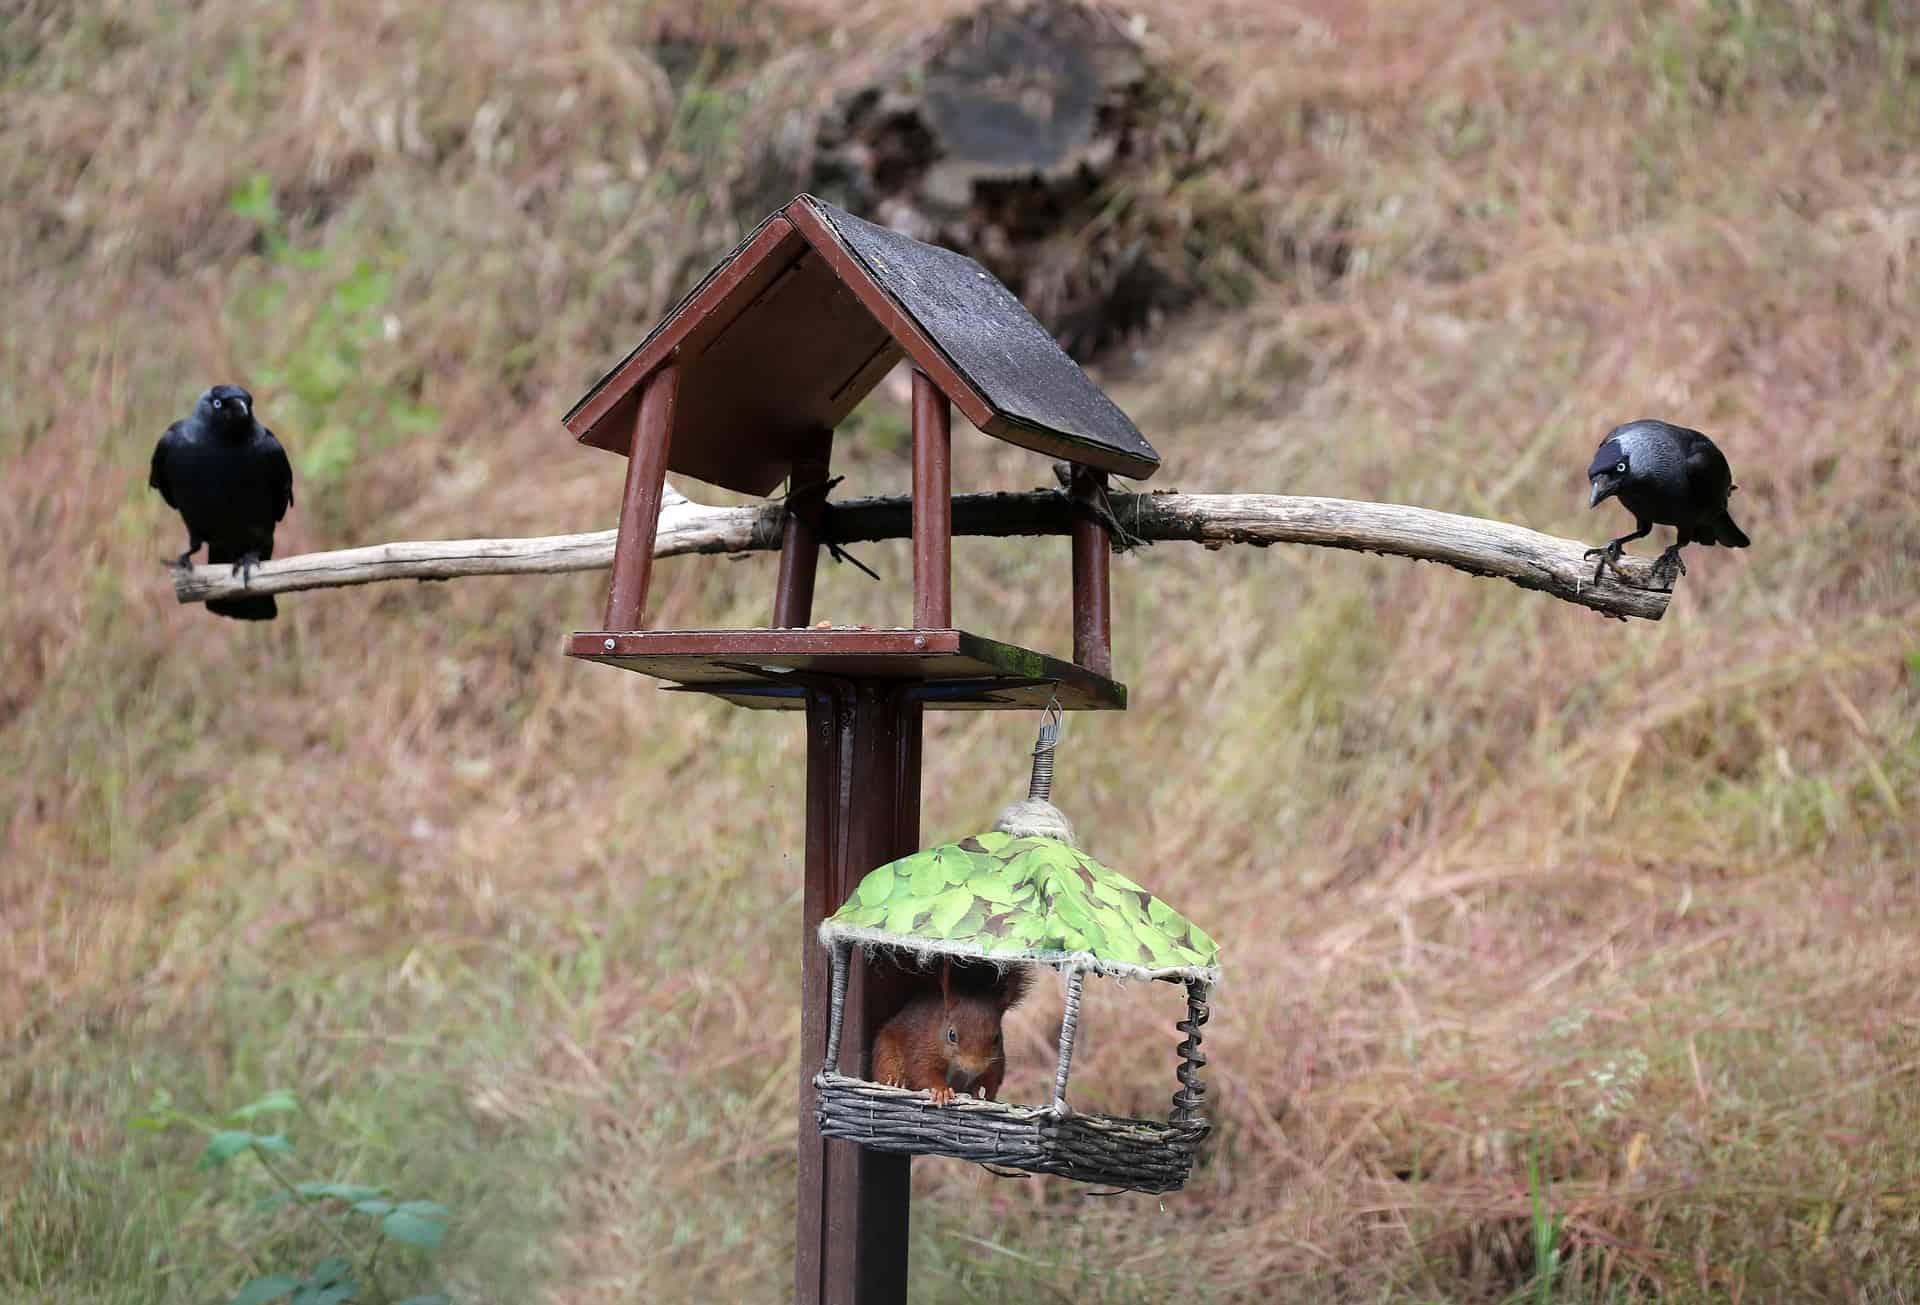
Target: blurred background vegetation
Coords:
[[1553, 943]]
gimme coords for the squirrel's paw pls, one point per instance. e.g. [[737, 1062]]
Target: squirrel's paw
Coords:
[[942, 1095]]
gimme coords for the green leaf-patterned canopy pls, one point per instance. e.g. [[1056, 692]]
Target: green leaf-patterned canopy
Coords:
[[1008, 898]]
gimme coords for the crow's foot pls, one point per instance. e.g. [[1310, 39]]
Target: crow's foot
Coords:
[[243, 567], [1668, 568], [1609, 556]]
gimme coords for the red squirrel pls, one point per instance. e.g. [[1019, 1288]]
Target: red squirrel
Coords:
[[947, 1040]]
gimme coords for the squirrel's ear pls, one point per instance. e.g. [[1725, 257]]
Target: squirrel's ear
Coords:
[[946, 980], [1014, 984]]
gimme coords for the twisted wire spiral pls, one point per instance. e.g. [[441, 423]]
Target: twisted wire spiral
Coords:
[[1190, 1101], [1041, 789]]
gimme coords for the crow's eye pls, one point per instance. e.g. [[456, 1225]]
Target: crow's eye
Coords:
[[951, 1035], [216, 403], [1620, 468]]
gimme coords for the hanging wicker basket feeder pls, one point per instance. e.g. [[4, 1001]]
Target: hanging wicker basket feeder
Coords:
[[1024, 893]]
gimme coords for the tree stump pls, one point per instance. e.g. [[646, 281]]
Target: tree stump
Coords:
[[1040, 139]]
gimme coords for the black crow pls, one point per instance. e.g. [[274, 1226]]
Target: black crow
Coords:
[[230, 479], [1665, 475]]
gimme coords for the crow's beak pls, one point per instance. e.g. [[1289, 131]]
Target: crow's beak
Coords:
[[1602, 491]]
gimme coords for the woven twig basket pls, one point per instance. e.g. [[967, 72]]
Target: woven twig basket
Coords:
[[1139, 1155]]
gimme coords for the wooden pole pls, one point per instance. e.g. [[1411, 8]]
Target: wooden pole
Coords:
[[1092, 595], [932, 506], [1480, 547], [863, 809], [800, 541], [640, 506]]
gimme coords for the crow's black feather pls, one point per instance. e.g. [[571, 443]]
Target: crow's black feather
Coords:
[[231, 482], [1665, 475]]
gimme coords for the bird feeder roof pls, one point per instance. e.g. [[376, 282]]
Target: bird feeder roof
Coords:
[[1009, 899], [793, 328]]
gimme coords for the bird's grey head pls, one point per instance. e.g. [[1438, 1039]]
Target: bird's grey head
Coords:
[[225, 404], [1612, 464], [1634, 449]]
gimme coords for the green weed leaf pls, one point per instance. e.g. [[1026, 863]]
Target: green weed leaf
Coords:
[[340, 1191], [430, 1209], [253, 199], [330, 1283], [159, 1116], [262, 1290], [278, 1101], [414, 1228], [224, 1147], [412, 418], [331, 1294]]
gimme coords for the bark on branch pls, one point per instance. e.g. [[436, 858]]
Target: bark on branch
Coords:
[[1473, 544]]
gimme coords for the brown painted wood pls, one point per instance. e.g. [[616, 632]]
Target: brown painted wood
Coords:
[[826, 715], [973, 695], [815, 306], [1092, 593], [650, 444], [932, 505], [919, 349], [794, 363], [946, 666], [759, 261], [863, 809], [784, 646], [800, 547], [773, 349]]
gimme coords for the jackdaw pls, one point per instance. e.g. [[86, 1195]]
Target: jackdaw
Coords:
[[229, 478], [1665, 475]]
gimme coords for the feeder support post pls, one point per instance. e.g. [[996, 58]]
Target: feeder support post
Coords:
[[800, 544], [932, 506], [863, 810], [1092, 559], [640, 505]]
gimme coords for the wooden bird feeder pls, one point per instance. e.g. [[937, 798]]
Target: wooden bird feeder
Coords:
[[742, 385]]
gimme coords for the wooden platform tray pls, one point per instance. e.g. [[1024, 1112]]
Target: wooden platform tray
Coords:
[[769, 668]]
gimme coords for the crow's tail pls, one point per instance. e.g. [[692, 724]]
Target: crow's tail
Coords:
[[1728, 535], [260, 607]]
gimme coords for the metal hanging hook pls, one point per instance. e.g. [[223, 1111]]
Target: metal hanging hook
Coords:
[[1051, 718]]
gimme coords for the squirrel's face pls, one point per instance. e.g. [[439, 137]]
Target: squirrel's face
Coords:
[[971, 1041]]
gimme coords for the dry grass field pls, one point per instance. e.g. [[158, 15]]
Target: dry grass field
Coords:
[[1568, 960]]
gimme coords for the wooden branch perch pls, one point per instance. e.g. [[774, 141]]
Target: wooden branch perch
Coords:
[[1490, 548]]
